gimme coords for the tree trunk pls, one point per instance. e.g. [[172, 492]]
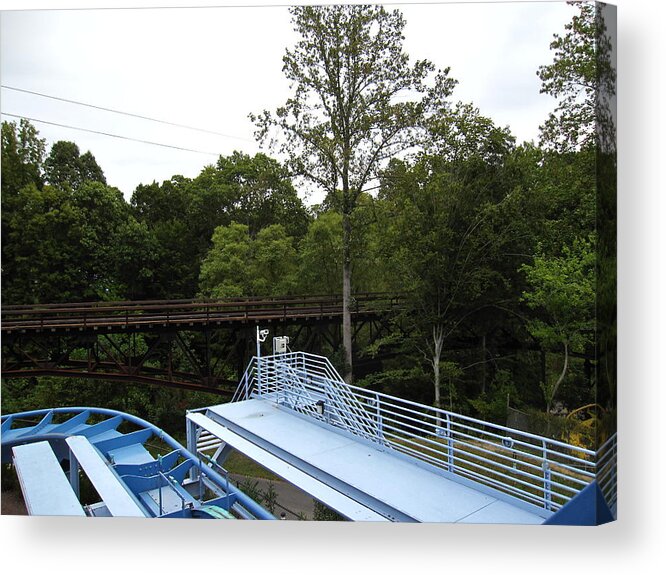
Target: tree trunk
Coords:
[[435, 368], [346, 296], [483, 364], [437, 343], [560, 379]]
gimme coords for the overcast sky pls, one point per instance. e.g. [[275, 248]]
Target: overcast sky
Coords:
[[209, 68]]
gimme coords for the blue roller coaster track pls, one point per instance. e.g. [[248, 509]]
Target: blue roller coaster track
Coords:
[[112, 450]]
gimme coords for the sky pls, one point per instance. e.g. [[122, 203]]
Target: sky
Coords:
[[209, 67]]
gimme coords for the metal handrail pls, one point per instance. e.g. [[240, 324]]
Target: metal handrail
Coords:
[[535, 469]]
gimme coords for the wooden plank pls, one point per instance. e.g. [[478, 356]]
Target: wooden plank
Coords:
[[46, 490]]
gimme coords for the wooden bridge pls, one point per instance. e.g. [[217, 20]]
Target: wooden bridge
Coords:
[[170, 342]]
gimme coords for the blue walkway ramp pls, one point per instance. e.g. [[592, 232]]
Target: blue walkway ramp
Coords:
[[375, 457]]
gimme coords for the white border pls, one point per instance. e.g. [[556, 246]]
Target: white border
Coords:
[[56, 545]]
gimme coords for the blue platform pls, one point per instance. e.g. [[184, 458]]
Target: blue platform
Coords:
[[375, 457], [354, 478]]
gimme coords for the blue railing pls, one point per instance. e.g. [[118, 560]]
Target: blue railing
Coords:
[[538, 470]]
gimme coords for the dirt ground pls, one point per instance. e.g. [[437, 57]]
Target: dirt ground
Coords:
[[11, 503]]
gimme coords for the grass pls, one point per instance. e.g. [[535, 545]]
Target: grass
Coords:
[[239, 464]]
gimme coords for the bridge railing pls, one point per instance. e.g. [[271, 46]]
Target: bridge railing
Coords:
[[607, 471], [132, 313], [538, 470]]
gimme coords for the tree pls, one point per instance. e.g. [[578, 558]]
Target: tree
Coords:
[[67, 245], [64, 166], [347, 116], [22, 157], [582, 133], [21, 163], [261, 193], [582, 76], [445, 232], [239, 265], [563, 289], [320, 255], [225, 270], [182, 214]]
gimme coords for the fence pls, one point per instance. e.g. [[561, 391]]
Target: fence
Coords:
[[539, 470]]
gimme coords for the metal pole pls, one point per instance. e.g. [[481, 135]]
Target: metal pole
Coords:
[[261, 337], [258, 361]]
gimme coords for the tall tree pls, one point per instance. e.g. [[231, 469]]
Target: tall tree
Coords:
[[445, 231], [563, 290], [582, 77], [356, 103]]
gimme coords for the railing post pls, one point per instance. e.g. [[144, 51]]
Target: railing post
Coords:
[[159, 484], [191, 434], [449, 443], [380, 420], [547, 484]]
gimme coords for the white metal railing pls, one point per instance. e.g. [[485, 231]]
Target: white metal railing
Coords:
[[607, 471], [535, 469]]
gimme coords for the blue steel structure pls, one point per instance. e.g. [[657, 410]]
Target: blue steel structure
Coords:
[[112, 449], [372, 456]]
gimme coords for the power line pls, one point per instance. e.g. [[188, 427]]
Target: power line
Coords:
[[108, 134], [124, 113]]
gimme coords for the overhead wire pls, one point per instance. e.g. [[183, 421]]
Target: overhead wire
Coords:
[[130, 114], [108, 134]]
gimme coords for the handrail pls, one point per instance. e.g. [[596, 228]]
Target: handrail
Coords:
[[539, 470], [123, 314]]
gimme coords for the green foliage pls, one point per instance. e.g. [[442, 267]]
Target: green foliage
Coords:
[[225, 271], [492, 405], [22, 157], [325, 513], [320, 255], [182, 216], [72, 245], [238, 265], [444, 230], [409, 383], [582, 77], [65, 167], [564, 289]]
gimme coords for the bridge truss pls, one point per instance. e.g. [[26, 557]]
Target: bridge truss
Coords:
[[200, 345]]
